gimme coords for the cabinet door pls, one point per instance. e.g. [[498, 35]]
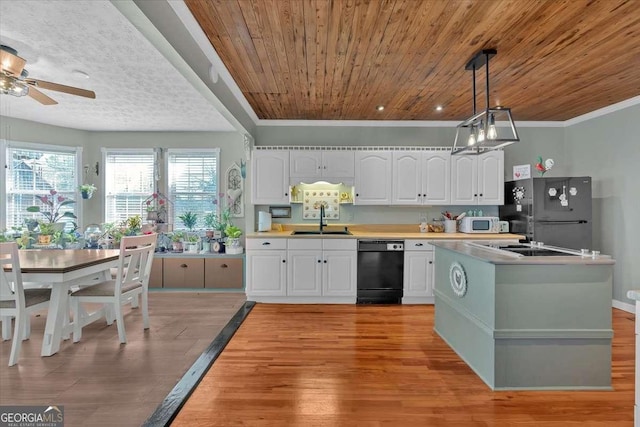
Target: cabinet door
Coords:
[[223, 273], [270, 177], [418, 274], [339, 273], [436, 178], [339, 164], [407, 178], [305, 164], [155, 280], [464, 179], [373, 178], [183, 273], [304, 273], [491, 178], [267, 273]]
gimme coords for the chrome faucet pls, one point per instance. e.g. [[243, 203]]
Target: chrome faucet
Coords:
[[322, 222]]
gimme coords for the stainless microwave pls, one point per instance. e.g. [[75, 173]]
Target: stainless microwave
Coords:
[[480, 224]]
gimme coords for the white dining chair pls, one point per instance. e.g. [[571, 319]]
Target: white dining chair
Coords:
[[15, 301], [131, 280]]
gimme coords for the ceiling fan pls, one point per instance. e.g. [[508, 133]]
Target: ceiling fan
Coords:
[[14, 80]]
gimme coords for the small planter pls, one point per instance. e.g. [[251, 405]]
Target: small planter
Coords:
[[44, 239], [191, 247], [86, 194], [177, 247], [233, 246]]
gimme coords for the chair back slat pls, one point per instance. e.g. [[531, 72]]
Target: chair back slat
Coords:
[[136, 257], [11, 288]]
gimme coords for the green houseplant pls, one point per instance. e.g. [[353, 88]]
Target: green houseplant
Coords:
[[86, 190], [176, 239], [47, 229], [189, 219], [233, 239]]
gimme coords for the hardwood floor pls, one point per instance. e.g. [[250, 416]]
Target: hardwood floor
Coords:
[[328, 365], [103, 383]]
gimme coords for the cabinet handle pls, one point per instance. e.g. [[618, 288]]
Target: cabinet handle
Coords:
[[319, 261], [475, 195], [266, 243], [224, 266], [324, 167], [357, 194], [284, 260], [430, 262], [183, 265], [286, 194], [318, 166], [325, 261], [419, 244], [480, 194]]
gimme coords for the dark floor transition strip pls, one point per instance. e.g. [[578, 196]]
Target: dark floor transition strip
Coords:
[[171, 405]]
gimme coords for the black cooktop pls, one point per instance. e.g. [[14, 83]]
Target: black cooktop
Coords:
[[526, 250]]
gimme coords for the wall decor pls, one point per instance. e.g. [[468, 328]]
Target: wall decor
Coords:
[[235, 190], [314, 199]]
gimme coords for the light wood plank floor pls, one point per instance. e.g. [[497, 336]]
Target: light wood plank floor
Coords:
[[103, 383], [327, 365]]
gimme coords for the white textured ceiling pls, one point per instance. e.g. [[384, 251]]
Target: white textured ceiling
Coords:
[[136, 88]]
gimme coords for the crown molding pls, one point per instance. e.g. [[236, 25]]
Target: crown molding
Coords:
[[604, 111]]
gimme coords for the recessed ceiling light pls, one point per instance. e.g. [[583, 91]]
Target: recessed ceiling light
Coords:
[[439, 108], [380, 107], [80, 73]]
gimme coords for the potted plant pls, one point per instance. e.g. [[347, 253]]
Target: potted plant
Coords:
[[191, 244], [233, 239], [47, 229], [52, 204], [176, 240], [86, 190], [189, 219], [24, 241]]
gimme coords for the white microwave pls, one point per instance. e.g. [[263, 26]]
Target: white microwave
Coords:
[[480, 224]]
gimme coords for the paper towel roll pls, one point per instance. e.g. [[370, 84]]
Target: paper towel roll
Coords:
[[264, 221]]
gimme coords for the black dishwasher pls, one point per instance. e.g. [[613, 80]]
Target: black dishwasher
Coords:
[[380, 271]]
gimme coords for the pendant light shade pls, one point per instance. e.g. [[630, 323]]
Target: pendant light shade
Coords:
[[489, 129]]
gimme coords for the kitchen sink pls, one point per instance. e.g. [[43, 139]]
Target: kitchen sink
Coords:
[[319, 233]]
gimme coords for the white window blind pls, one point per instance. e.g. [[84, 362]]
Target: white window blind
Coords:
[[34, 170], [193, 183], [129, 179]]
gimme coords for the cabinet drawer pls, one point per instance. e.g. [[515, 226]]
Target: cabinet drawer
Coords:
[[155, 280], [223, 273], [183, 273], [340, 244], [417, 245], [266, 244], [304, 244]]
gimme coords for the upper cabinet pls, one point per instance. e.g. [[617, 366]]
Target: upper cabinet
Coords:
[[373, 177], [421, 177], [328, 165], [270, 177], [478, 180]]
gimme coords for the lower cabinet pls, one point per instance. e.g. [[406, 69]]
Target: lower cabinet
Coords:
[[418, 272], [194, 272], [183, 273], [302, 268]]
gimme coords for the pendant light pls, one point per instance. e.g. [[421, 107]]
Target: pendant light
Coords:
[[484, 133]]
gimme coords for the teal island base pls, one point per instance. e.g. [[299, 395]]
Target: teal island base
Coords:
[[526, 325]]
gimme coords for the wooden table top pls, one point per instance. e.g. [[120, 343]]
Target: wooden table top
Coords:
[[63, 260]]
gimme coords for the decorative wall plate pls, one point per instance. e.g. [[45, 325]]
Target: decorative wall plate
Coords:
[[458, 279]]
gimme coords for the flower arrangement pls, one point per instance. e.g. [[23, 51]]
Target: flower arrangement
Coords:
[[52, 203]]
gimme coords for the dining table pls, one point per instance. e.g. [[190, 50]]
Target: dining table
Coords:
[[61, 269]]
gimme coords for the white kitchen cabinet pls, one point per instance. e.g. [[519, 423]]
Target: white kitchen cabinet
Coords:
[[322, 267], [266, 267], [418, 272], [373, 177], [334, 166], [270, 177], [421, 177], [477, 179]]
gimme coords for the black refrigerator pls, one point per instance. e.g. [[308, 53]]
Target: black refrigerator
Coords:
[[555, 211]]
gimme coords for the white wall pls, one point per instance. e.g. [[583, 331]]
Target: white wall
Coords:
[[607, 148]]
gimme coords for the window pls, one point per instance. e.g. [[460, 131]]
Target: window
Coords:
[[193, 182], [129, 178], [35, 170]]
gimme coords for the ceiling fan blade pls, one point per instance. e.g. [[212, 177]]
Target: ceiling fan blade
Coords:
[[40, 97], [10, 63], [62, 88]]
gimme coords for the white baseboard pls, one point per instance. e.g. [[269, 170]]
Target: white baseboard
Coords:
[[629, 308]]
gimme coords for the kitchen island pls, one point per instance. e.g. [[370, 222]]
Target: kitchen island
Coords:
[[526, 322]]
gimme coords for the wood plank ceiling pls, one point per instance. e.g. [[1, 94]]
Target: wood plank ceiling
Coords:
[[339, 59]]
